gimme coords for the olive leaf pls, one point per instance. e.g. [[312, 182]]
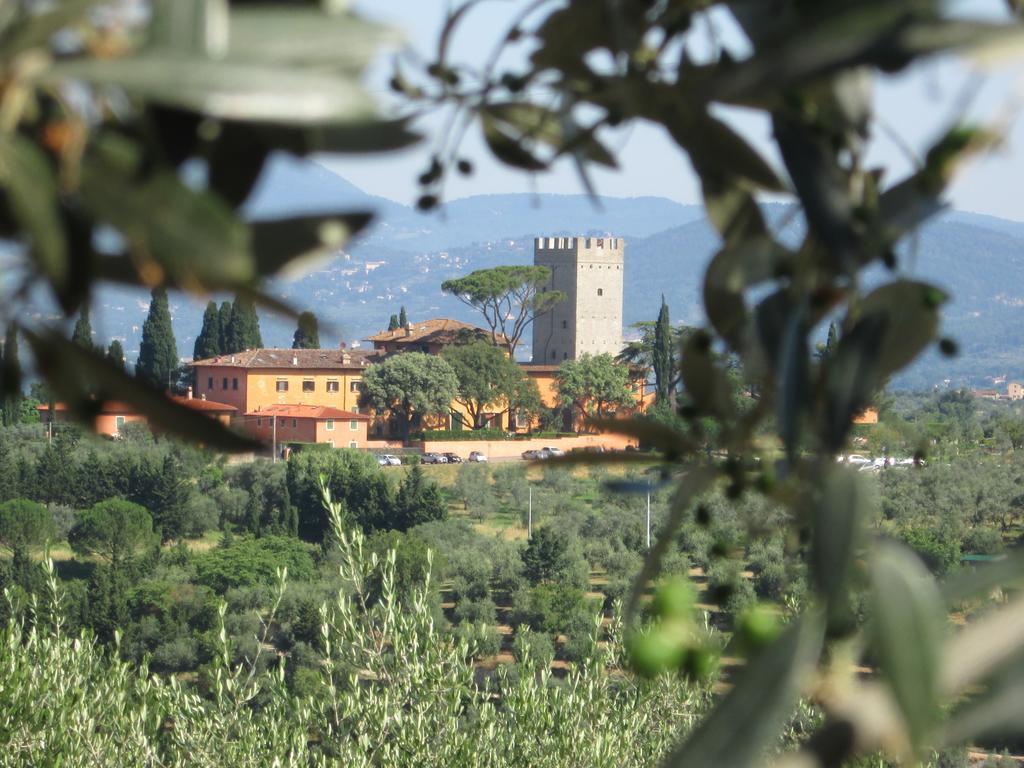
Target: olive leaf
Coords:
[[838, 511], [28, 178], [761, 699], [649, 432], [907, 631]]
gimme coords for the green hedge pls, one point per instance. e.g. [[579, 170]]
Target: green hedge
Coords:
[[465, 434], [485, 434]]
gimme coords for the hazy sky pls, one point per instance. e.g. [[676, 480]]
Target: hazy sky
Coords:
[[932, 93]]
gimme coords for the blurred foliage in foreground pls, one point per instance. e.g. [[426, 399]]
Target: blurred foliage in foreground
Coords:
[[126, 149], [808, 68]]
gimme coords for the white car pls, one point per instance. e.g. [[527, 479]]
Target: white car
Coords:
[[553, 452], [387, 460], [856, 458], [476, 456]]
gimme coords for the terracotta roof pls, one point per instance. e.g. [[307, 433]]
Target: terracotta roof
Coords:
[[109, 406], [292, 358], [308, 412], [198, 404], [439, 330]]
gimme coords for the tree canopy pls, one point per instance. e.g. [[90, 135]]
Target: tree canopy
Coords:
[[10, 379], [594, 385], [488, 379], [508, 298], [208, 341], [115, 530], [411, 385], [82, 334], [115, 354], [307, 334], [243, 329], [158, 351], [24, 525]]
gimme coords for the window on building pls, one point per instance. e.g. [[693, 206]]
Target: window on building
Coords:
[[565, 355], [353, 444], [330, 425], [553, 354], [332, 385], [209, 382], [308, 385], [600, 291], [259, 421], [282, 385], [353, 424], [234, 383], [295, 423], [119, 422], [224, 383], [355, 386], [565, 323]]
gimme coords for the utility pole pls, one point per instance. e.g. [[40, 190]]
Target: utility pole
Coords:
[[648, 513], [273, 432], [529, 517]]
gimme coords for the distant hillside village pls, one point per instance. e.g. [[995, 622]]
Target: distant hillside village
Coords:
[[433, 378]]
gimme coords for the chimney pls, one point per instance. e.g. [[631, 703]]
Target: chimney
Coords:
[[188, 392], [295, 360], [202, 396], [408, 331]]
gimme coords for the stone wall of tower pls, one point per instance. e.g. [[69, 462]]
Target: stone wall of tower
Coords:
[[589, 271]]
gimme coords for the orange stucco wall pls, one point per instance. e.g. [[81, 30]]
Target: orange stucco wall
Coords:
[[506, 449], [257, 388], [308, 430], [106, 423]]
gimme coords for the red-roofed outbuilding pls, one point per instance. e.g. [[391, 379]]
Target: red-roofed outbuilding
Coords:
[[308, 424]]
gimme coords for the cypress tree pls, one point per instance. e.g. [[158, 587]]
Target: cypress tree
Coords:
[[10, 379], [307, 335], [393, 324], [115, 354], [208, 340], [403, 319], [158, 352], [244, 329], [82, 335], [223, 327], [662, 357]]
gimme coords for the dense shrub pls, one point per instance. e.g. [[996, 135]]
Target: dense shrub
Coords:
[[248, 561]]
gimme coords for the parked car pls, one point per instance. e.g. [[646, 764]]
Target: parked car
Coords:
[[533, 455], [387, 460], [453, 458], [551, 452], [476, 456], [856, 458], [433, 458]]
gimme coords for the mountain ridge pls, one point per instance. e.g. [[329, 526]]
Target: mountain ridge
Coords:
[[405, 256]]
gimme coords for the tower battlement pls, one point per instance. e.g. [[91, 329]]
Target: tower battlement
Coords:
[[589, 271]]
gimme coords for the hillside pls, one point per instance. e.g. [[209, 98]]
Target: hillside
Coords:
[[406, 255]]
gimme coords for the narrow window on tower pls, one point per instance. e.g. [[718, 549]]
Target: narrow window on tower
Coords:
[[600, 291]]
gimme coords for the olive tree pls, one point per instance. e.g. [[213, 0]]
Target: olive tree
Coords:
[[563, 78]]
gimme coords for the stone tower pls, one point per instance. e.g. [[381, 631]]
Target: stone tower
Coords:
[[589, 271]]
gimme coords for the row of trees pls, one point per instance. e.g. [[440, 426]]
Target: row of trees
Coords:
[[234, 327], [483, 379]]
